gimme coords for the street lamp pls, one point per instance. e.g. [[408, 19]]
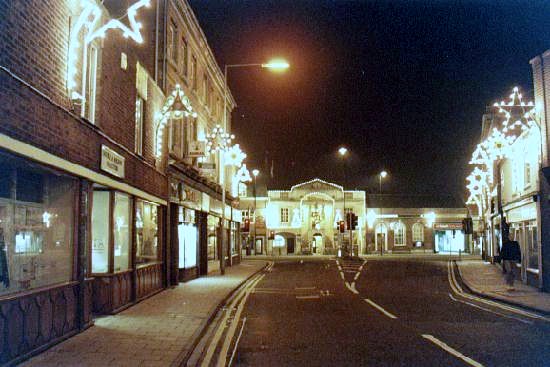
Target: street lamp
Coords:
[[219, 142], [275, 65], [255, 173], [343, 151], [382, 175]]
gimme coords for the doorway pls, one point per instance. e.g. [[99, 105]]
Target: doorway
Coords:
[[290, 244], [317, 243]]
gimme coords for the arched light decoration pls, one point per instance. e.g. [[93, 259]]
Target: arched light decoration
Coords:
[[218, 140], [517, 113], [88, 21], [241, 176], [176, 106], [234, 156]]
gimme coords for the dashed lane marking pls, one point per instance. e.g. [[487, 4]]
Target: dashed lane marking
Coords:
[[351, 287], [379, 308], [452, 351]]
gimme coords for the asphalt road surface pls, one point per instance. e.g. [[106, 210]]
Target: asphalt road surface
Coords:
[[375, 313]]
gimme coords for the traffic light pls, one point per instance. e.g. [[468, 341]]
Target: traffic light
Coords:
[[349, 217], [354, 221], [271, 235], [342, 226], [246, 225]]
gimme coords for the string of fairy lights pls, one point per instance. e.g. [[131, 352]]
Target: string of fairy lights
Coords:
[[518, 117]]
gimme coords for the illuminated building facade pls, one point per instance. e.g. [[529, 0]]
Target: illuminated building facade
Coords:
[[411, 224], [505, 184], [103, 199], [303, 220]]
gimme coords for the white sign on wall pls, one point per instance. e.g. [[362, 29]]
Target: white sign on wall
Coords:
[[112, 162]]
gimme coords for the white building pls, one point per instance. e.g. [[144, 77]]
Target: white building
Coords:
[[303, 220]]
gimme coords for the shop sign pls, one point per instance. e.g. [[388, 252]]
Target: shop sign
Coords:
[[522, 213], [207, 166], [448, 226], [112, 162], [196, 149], [190, 195]]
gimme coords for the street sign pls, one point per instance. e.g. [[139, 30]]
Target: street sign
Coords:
[[196, 149]]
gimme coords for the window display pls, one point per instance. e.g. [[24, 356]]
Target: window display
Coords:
[[187, 236], [100, 232], [146, 232], [212, 241], [121, 232], [36, 226]]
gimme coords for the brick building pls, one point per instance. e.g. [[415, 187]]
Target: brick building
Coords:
[[99, 200]]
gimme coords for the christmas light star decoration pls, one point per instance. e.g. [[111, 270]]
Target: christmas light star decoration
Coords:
[[235, 156], [243, 175], [88, 22], [517, 113], [218, 140], [176, 106]]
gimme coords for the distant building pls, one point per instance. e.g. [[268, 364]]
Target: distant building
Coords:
[[303, 219], [408, 223]]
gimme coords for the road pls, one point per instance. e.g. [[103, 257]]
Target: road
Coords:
[[371, 313]]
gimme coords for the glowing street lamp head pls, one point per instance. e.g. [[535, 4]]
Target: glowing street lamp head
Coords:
[[383, 174], [342, 151], [255, 172], [276, 65]]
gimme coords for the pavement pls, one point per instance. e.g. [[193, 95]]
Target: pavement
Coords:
[[159, 331], [487, 280]]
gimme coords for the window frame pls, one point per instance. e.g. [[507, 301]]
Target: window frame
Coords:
[[139, 123], [415, 227], [399, 227]]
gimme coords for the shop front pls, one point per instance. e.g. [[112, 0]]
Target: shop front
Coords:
[[44, 296], [185, 204], [126, 259], [449, 238], [522, 221]]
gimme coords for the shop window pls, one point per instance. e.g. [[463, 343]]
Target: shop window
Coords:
[[146, 222], [212, 237], [36, 235], [399, 234], [532, 246], [418, 232], [121, 232], [187, 237], [100, 231]]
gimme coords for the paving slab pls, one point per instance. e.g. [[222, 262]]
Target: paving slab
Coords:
[[157, 331], [486, 279]]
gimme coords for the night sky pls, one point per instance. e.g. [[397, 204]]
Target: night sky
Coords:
[[402, 84]]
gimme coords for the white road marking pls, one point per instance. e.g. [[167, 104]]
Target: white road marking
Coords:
[[237, 343], [222, 358], [342, 276], [350, 271], [452, 351], [304, 288], [308, 297], [458, 290], [356, 276], [379, 308], [223, 324], [491, 311], [351, 287]]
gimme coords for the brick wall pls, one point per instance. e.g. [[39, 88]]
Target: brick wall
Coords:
[[34, 46]]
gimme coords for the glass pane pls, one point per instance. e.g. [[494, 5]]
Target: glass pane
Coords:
[[100, 232], [212, 242], [121, 231], [146, 232], [36, 236]]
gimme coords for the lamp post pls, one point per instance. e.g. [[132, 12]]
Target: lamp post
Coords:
[[277, 65], [382, 175], [255, 173], [343, 151], [219, 142]]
